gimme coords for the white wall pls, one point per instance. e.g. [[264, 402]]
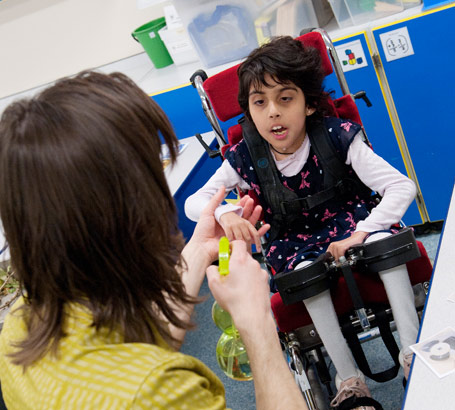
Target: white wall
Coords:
[[42, 40]]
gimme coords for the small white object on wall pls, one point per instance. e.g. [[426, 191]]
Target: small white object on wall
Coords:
[[351, 55], [396, 44]]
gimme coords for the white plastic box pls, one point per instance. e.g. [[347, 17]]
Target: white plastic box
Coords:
[[228, 30], [179, 45], [323, 12], [221, 31], [363, 11], [285, 18], [411, 3], [341, 13]]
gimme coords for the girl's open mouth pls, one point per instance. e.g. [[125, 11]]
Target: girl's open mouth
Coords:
[[279, 131]]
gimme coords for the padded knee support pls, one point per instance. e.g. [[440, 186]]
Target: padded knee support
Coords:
[[376, 256], [386, 253], [303, 283]]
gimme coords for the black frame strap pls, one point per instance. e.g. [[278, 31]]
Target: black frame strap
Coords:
[[352, 286], [355, 402], [350, 335], [353, 289]]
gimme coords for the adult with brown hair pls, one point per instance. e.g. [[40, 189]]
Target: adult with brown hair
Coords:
[[108, 283]]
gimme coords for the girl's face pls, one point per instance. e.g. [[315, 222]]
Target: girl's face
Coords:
[[279, 113]]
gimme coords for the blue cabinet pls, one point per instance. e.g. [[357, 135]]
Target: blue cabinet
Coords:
[[412, 93], [423, 88]]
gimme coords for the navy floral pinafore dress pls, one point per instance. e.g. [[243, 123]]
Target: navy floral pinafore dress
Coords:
[[331, 221]]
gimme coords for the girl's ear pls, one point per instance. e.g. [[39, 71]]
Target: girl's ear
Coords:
[[309, 110]]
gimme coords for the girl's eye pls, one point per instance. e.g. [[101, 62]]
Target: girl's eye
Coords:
[[258, 102], [286, 98]]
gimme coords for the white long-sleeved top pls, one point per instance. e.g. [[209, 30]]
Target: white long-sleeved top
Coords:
[[397, 190]]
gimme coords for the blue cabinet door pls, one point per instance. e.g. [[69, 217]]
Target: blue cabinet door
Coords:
[[423, 90]]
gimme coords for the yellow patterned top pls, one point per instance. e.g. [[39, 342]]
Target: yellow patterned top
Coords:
[[96, 370]]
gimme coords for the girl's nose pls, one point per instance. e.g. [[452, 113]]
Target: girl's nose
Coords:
[[273, 111]]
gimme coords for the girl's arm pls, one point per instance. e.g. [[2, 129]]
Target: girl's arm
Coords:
[[225, 176], [229, 216], [397, 190]]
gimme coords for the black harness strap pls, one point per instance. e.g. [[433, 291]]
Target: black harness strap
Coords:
[[334, 168], [275, 192], [285, 205], [340, 188], [265, 166], [336, 180]]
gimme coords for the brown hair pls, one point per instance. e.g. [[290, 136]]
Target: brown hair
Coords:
[[285, 60], [87, 212]]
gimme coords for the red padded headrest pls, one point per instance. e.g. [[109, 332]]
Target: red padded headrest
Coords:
[[222, 88], [315, 40]]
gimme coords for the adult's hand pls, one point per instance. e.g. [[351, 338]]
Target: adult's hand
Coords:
[[244, 293], [202, 249]]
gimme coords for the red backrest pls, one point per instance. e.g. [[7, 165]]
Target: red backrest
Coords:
[[315, 40]]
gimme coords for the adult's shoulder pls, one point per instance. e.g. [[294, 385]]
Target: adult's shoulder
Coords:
[[193, 385]]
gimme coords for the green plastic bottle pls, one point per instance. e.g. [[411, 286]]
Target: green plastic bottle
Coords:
[[230, 350]]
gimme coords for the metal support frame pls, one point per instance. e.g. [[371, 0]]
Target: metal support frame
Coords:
[[197, 80]]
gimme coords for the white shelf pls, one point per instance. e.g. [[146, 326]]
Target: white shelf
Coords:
[[186, 161]]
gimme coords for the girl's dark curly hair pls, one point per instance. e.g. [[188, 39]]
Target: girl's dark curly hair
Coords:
[[285, 60]]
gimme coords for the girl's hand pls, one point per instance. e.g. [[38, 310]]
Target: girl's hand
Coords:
[[208, 232], [242, 227], [339, 248]]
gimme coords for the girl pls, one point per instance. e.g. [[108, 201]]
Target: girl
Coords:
[[281, 93]]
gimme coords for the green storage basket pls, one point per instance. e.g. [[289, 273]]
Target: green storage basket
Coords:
[[149, 38]]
